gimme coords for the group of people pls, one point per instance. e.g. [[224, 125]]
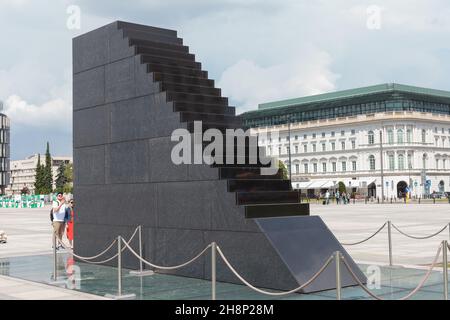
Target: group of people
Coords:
[[61, 216], [343, 197]]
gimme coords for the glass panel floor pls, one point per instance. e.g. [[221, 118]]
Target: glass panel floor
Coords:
[[395, 282]]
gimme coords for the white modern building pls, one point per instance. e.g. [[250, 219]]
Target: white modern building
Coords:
[[386, 139], [23, 172]]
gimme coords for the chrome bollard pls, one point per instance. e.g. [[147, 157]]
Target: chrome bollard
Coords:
[[445, 267], [337, 259], [390, 243], [213, 270], [119, 266]]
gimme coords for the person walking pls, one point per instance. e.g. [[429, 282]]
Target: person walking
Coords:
[[327, 197], [69, 223], [337, 196], [59, 214]]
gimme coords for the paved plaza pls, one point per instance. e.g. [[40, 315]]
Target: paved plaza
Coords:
[[29, 233]]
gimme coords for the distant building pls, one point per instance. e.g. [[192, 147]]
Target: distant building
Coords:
[[23, 172], [347, 136], [4, 150]]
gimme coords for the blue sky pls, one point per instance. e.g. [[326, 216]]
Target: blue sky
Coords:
[[257, 51]]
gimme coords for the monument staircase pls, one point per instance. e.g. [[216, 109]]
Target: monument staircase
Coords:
[[195, 97]]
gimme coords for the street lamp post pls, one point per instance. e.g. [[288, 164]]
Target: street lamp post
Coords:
[[381, 165], [289, 149]]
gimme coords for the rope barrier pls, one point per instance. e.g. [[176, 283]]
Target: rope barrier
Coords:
[[370, 237], [248, 284], [87, 259], [416, 237], [162, 267], [401, 232], [409, 295]]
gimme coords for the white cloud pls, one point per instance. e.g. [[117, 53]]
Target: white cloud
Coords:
[[54, 115], [249, 84]]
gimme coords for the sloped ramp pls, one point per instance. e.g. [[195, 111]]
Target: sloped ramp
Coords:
[[304, 244]]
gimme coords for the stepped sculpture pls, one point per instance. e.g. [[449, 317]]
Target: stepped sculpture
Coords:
[[133, 86]]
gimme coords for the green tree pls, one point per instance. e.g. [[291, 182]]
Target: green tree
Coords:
[[342, 187], [47, 186], [61, 178], [284, 171], [39, 178], [68, 187]]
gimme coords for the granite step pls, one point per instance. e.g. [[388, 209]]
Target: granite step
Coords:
[[203, 108], [258, 185], [192, 97], [267, 197], [246, 173], [155, 51], [176, 70], [160, 45], [188, 88], [276, 210], [146, 58], [151, 36], [166, 77]]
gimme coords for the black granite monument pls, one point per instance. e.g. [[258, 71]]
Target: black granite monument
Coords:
[[133, 85]]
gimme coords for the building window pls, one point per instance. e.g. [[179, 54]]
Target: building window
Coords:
[[372, 162], [279, 150], [296, 149], [400, 137], [409, 161], [315, 167], [353, 144], [401, 162], [444, 165], [314, 147], [297, 168], [342, 132], [324, 167], [324, 148], [343, 145], [371, 137], [333, 133], [391, 162], [305, 166], [323, 134], [314, 135], [333, 165], [279, 139], [409, 135], [296, 137], [344, 166], [437, 163], [424, 136], [305, 136], [390, 136], [354, 165], [353, 132], [333, 146], [305, 148], [424, 161]]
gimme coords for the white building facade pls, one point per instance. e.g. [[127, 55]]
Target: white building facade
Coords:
[[389, 152], [23, 172]]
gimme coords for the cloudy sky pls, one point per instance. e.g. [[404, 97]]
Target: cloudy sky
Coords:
[[256, 50]]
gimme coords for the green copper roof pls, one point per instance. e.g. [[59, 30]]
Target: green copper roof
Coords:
[[387, 87]]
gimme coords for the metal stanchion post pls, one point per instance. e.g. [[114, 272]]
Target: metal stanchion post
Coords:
[[141, 271], [119, 266], [55, 259], [119, 294], [213, 270], [337, 259], [445, 267], [390, 243]]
